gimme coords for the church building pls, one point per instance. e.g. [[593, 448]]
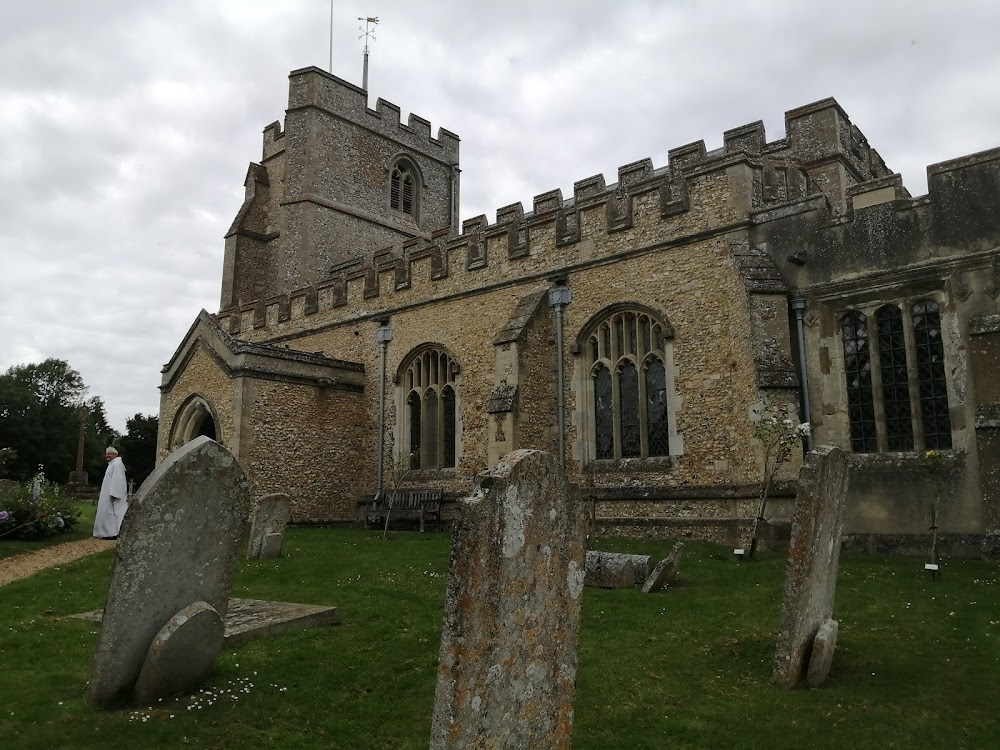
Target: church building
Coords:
[[368, 338]]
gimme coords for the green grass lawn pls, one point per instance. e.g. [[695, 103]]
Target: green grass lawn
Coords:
[[84, 529], [917, 662]]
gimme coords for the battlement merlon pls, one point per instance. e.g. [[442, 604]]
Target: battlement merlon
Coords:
[[312, 87], [274, 140]]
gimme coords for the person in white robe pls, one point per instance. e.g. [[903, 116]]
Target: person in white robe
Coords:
[[113, 501]]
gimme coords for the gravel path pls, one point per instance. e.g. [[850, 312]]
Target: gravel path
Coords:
[[21, 566]]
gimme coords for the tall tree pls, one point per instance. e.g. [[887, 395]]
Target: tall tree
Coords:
[[39, 417], [98, 435], [138, 446]]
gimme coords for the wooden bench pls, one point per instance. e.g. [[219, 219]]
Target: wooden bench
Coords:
[[419, 504]]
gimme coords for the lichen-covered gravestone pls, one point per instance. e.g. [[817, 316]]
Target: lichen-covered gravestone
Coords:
[[267, 526], [614, 570], [178, 547], [507, 666], [665, 572], [811, 571]]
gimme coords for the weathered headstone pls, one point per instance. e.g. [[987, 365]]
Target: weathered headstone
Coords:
[[614, 570], [267, 526], [182, 654], [813, 558], [507, 666], [178, 546], [821, 655], [665, 572]]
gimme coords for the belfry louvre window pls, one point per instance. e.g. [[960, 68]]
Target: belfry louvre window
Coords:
[[629, 389], [430, 410], [402, 188], [904, 367]]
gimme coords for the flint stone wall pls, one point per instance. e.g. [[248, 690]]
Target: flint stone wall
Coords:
[[507, 666], [813, 560], [178, 546]]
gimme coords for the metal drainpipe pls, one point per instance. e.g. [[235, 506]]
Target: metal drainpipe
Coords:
[[383, 336], [799, 306], [559, 297]]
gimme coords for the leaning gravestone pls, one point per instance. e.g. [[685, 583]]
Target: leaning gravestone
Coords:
[[507, 666], [177, 548], [614, 570], [665, 572], [811, 571], [267, 526]]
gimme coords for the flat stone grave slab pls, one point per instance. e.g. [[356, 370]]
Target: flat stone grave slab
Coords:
[[248, 619]]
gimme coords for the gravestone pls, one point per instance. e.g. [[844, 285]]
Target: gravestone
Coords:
[[665, 572], [267, 526], [507, 664], [182, 654], [821, 654], [813, 559], [613, 570], [177, 547]]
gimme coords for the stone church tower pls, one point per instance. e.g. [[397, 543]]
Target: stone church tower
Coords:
[[338, 183], [633, 329]]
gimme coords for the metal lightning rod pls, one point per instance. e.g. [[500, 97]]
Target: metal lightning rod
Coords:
[[331, 37]]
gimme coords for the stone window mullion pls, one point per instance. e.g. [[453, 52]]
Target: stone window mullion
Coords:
[[878, 395], [616, 409], [913, 378]]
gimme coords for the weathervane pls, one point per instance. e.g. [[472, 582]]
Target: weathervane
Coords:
[[367, 33]]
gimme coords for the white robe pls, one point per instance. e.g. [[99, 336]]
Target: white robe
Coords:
[[110, 512]]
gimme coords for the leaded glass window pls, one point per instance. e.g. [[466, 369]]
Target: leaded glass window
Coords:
[[656, 408], [429, 385], [908, 370], [931, 375], [448, 427], [629, 383], [858, 369], [604, 414], [895, 379], [414, 413]]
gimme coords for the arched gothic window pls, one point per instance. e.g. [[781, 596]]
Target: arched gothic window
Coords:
[[881, 389], [403, 188], [429, 437], [629, 387]]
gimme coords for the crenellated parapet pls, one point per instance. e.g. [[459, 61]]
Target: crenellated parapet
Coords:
[[315, 88], [883, 226], [821, 157]]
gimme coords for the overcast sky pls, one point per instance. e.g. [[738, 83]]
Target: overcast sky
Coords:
[[126, 126]]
